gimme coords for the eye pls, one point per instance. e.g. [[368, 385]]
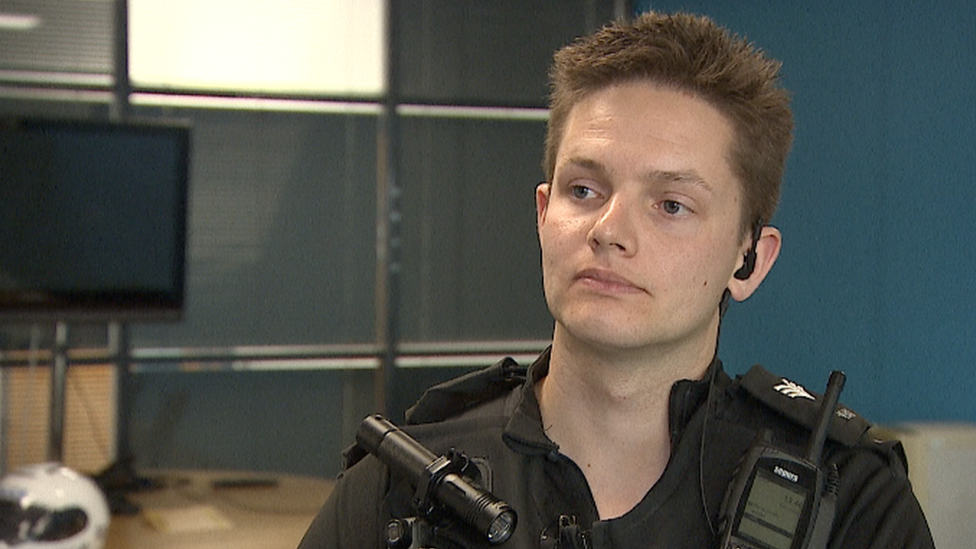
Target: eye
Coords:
[[673, 207], [581, 192]]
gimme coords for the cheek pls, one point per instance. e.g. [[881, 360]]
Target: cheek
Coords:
[[717, 265], [559, 236], [552, 247], [704, 267]]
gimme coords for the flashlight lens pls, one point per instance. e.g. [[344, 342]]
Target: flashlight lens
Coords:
[[501, 528]]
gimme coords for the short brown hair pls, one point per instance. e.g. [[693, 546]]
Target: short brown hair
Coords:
[[691, 53]]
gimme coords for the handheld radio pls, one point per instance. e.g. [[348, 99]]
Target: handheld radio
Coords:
[[778, 500]]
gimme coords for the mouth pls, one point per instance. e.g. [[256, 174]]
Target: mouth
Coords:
[[607, 281]]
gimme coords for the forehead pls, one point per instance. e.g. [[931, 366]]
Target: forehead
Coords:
[[646, 127]]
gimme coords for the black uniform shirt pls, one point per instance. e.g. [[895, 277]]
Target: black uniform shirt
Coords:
[[493, 417]]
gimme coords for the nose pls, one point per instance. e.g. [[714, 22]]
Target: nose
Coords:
[[613, 229]]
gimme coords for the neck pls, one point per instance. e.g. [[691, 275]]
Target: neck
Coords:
[[608, 410]]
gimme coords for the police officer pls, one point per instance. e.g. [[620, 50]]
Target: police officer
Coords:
[[665, 150]]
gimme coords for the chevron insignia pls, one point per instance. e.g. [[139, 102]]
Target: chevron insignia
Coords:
[[792, 390]]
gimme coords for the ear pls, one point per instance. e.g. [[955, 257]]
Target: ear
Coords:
[[541, 202], [767, 250]]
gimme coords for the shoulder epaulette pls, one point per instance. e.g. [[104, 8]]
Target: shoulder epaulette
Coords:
[[457, 395], [801, 406]]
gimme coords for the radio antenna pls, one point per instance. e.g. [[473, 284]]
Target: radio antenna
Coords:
[[830, 398]]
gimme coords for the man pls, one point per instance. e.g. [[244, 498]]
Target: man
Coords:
[[666, 147]]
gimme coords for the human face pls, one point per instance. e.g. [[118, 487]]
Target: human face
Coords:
[[639, 228]]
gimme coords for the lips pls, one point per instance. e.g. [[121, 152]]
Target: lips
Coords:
[[606, 280]]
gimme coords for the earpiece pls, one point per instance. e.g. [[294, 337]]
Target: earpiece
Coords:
[[749, 259], [748, 264]]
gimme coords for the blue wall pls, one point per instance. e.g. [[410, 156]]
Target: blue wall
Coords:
[[879, 205]]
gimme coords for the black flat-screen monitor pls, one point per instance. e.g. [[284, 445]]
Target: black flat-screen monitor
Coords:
[[92, 219]]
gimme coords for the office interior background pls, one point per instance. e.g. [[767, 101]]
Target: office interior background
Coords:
[[349, 246]]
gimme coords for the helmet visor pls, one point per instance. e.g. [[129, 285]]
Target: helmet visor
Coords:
[[23, 524]]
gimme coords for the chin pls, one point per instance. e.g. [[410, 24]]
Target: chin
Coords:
[[600, 332]]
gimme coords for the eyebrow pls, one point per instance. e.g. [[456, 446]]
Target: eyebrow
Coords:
[[689, 177], [587, 164]]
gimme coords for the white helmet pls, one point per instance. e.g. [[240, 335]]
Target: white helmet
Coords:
[[48, 506]]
